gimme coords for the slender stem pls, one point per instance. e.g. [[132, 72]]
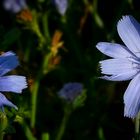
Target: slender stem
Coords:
[[46, 27], [34, 101], [43, 70], [28, 132], [25, 128], [63, 124], [36, 29], [137, 127], [93, 9]]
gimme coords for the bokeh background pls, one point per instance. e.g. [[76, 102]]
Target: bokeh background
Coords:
[[55, 49]]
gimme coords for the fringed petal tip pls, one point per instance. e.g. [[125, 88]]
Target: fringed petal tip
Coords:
[[130, 110], [128, 115], [23, 83], [117, 69], [124, 19], [13, 83]]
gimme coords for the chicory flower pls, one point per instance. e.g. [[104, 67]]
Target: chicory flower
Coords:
[[14, 6], [12, 83], [125, 62], [70, 91]]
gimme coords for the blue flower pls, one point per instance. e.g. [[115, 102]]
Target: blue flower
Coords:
[[61, 6], [125, 63], [70, 91], [14, 6], [12, 83]]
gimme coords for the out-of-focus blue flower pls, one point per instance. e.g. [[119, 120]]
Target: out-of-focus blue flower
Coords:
[[61, 6], [12, 83], [70, 91], [125, 64], [14, 6]]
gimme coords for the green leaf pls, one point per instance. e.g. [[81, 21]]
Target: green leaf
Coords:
[[10, 37], [3, 122], [79, 101]]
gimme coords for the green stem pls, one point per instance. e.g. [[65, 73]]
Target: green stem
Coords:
[[96, 16], [39, 34], [25, 128], [34, 101], [137, 127], [93, 9], [46, 27], [63, 124], [43, 70], [28, 132], [36, 29]]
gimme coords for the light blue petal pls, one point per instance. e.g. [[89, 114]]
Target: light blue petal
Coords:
[[61, 6], [128, 75], [14, 5], [13, 83], [132, 98], [8, 61], [129, 31], [114, 50], [117, 66], [4, 101]]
